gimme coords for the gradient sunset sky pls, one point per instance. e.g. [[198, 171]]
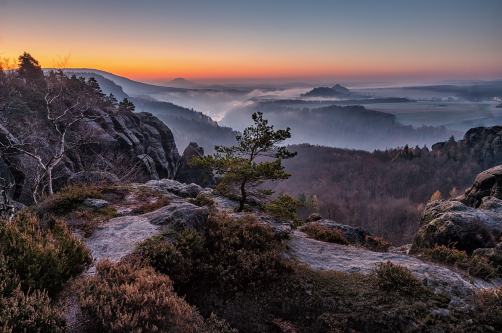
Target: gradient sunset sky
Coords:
[[288, 40]]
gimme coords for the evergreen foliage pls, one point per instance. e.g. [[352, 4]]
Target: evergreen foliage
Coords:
[[237, 167]]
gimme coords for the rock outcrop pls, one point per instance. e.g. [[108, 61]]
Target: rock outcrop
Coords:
[[487, 184], [144, 137], [187, 174], [349, 259], [137, 142], [469, 222], [484, 144], [451, 223], [355, 235]]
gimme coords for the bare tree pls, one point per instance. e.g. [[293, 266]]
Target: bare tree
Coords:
[[66, 111]]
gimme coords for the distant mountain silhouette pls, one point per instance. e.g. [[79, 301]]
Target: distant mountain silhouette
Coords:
[[340, 88], [182, 83], [321, 92], [130, 87]]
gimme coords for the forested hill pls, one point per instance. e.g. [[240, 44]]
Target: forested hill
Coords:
[[187, 125], [385, 191], [352, 127]]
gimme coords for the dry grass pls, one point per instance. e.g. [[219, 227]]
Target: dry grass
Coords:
[[474, 265], [130, 297], [489, 303], [392, 277], [148, 207], [324, 234], [377, 244]]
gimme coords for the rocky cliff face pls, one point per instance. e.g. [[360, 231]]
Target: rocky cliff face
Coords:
[[145, 139], [484, 144], [469, 222], [187, 174], [138, 141]]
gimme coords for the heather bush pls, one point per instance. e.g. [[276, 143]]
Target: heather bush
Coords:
[[377, 244], [70, 197], [392, 277], [489, 304], [324, 234], [474, 265], [90, 219], [42, 257], [202, 200], [151, 206], [25, 313], [446, 255], [131, 297], [231, 255]]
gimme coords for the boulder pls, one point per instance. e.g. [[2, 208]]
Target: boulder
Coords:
[[175, 187], [187, 174], [451, 223], [184, 214], [355, 235], [95, 203], [314, 217], [93, 178], [487, 183]]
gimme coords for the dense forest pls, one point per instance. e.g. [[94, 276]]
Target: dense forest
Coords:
[[383, 191]]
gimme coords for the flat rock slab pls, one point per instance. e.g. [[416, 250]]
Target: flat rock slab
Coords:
[[117, 238], [349, 259]]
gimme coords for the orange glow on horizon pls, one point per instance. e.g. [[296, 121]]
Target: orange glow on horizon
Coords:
[[271, 69]]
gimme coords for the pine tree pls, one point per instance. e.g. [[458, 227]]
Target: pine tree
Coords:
[[237, 168]]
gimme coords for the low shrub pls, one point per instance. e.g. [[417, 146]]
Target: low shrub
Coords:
[[446, 255], [151, 206], [22, 312], [91, 219], [474, 265], [481, 267], [42, 257], [202, 200], [70, 197], [231, 255], [130, 297], [392, 277], [377, 244], [324, 234], [489, 306]]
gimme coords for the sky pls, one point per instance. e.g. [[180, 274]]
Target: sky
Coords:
[[155, 40]]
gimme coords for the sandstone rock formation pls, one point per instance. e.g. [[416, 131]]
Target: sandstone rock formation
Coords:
[[469, 222], [487, 184], [313, 217], [349, 259], [187, 174], [355, 235], [451, 223], [483, 143]]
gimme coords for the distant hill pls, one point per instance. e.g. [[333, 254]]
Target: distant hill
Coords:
[[182, 83], [340, 88], [353, 127], [477, 92], [130, 87], [186, 124], [107, 85], [322, 92]]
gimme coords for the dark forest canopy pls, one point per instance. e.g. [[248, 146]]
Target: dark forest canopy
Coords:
[[383, 191]]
